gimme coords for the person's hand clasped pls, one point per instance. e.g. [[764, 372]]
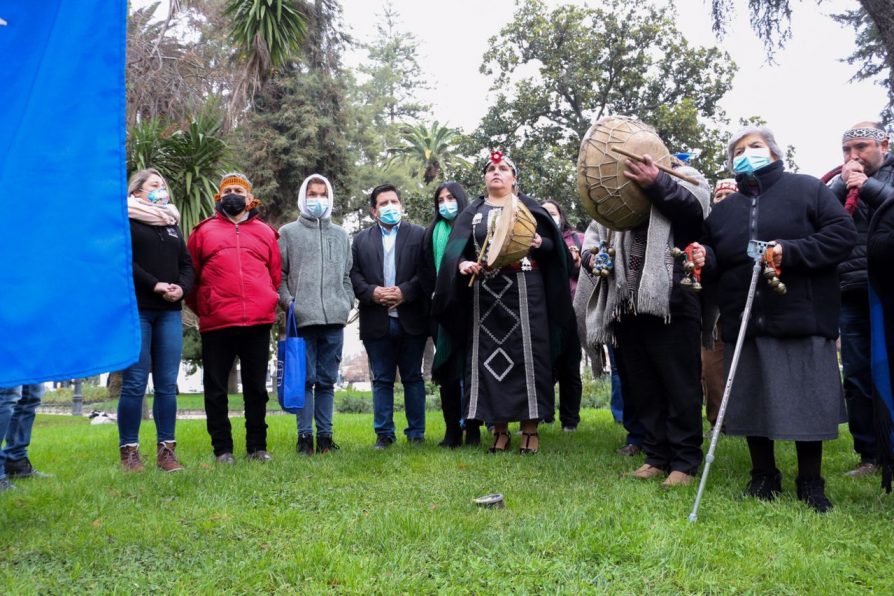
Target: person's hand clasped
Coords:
[[644, 172], [469, 268], [174, 293]]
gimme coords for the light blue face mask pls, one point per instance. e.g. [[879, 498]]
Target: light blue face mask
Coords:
[[448, 210], [753, 158], [159, 196], [389, 215], [317, 207]]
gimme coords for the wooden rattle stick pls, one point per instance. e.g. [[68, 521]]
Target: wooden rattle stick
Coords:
[[481, 254], [664, 169]]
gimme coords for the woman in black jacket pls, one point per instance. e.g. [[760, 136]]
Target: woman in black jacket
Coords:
[[163, 275], [447, 370], [787, 385]]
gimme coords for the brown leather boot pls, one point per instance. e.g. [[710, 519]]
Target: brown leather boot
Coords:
[[130, 458], [165, 459]]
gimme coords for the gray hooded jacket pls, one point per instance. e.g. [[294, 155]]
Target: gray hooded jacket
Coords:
[[316, 266]]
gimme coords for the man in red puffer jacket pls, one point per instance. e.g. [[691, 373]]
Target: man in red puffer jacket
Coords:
[[238, 272]]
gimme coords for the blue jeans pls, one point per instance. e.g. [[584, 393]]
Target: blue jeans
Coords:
[[387, 355], [324, 344], [160, 351], [853, 322], [17, 409], [622, 410]]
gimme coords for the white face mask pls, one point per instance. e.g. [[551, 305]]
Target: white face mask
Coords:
[[558, 221]]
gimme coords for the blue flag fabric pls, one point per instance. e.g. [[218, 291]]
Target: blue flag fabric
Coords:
[[67, 305]]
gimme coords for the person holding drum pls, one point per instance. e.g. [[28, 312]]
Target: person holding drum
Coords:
[[638, 302], [788, 385], [502, 292]]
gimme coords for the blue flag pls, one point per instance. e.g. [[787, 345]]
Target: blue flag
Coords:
[[67, 305]]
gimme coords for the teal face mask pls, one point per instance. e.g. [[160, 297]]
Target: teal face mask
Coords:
[[389, 215], [448, 210], [753, 158], [317, 207]]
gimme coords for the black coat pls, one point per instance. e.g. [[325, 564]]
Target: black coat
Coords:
[[159, 255], [816, 235], [368, 272], [452, 302], [876, 190]]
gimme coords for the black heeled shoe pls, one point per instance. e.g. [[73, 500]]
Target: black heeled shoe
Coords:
[[497, 435], [526, 448]]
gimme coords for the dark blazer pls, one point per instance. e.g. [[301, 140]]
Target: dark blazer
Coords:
[[368, 272]]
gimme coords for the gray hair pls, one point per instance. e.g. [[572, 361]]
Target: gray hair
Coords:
[[763, 132], [138, 179]]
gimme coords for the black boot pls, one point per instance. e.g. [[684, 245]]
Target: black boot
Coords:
[[473, 434], [765, 486], [453, 436], [812, 492], [305, 444]]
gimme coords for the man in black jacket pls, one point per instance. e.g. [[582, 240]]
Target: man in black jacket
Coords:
[[866, 181], [393, 324]]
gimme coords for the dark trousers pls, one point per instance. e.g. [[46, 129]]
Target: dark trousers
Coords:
[[567, 373], [853, 322], [660, 368], [219, 350], [622, 409], [452, 407]]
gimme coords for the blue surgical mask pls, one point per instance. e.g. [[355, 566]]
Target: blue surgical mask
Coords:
[[448, 210], [389, 215], [159, 196], [753, 158], [317, 207]]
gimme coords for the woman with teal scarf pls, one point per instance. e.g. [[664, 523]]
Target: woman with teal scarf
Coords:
[[449, 201]]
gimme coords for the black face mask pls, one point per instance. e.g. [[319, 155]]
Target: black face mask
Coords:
[[232, 205]]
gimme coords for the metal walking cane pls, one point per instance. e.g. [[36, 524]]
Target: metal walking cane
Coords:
[[756, 250]]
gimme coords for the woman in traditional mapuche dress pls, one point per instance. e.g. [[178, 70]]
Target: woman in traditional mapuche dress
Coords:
[[512, 320], [787, 384]]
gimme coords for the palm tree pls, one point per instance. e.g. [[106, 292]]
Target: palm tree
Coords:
[[426, 149], [268, 34]]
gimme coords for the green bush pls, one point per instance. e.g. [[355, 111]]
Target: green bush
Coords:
[[64, 395]]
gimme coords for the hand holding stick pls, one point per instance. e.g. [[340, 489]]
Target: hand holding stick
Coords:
[[664, 169]]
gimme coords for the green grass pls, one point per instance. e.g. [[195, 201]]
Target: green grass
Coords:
[[402, 521]]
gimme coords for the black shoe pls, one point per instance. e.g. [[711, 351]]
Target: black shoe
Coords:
[[765, 486], [383, 442], [453, 437], [473, 435], [6, 485], [22, 468], [325, 444], [305, 445], [497, 447], [415, 441], [812, 492]]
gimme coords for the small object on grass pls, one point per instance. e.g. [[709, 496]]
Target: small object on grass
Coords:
[[494, 501]]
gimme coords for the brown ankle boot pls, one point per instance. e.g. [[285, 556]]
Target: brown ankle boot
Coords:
[[130, 458], [166, 460]]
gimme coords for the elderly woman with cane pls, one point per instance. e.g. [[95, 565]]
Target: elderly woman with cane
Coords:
[[787, 384]]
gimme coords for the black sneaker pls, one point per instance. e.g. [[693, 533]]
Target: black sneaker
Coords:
[[415, 441], [6, 485], [383, 442], [305, 445], [765, 486], [325, 444], [812, 492], [22, 468]]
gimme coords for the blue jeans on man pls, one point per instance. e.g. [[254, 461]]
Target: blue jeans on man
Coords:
[[853, 322], [18, 406], [398, 351], [160, 352], [323, 344]]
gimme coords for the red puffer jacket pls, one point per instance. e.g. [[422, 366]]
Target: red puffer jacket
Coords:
[[238, 270]]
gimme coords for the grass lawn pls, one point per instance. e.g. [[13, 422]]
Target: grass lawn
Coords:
[[361, 521]]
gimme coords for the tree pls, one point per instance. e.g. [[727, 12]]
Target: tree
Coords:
[[873, 22], [622, 59], [427, 149]]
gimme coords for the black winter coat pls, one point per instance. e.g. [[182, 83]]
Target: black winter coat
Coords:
[[159, 255], [816, 234], [876, 190]]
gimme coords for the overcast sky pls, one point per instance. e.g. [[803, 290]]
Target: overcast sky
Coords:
[[806, 98]]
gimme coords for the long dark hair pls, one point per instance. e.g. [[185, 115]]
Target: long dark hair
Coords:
[[458, 192], [565, 226]]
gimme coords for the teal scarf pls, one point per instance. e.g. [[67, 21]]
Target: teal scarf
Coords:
[[439, 241]]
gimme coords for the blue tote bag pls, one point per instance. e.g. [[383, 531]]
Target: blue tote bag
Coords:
[[291, 367]]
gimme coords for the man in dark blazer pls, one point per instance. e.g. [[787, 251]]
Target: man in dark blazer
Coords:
[[393, 324]]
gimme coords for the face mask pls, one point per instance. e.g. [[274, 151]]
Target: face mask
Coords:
[[753, 158], [448, 210], [389, 215], [317, 207], [558, 221], [232, 205], [159, 196]]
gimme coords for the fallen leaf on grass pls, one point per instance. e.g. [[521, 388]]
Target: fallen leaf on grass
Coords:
[[96, 522]]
